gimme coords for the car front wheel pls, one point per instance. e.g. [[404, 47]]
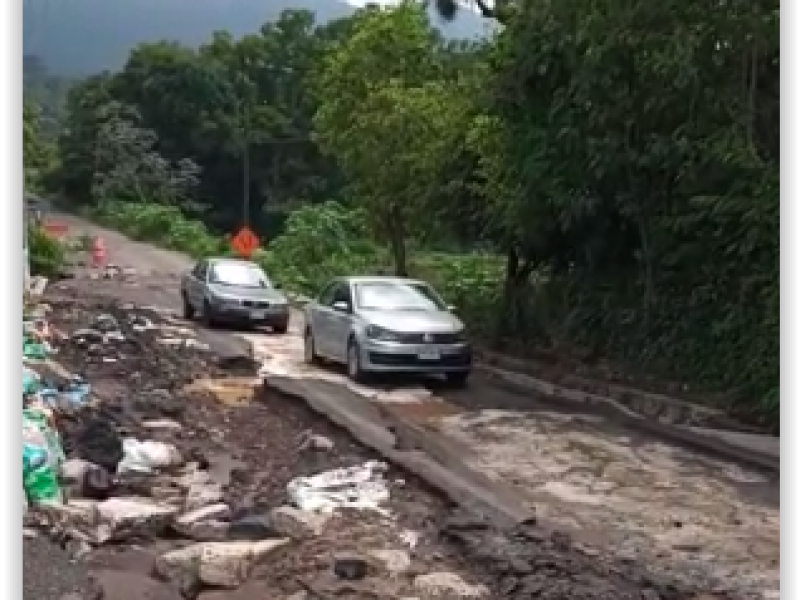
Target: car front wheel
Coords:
[[354, 370]]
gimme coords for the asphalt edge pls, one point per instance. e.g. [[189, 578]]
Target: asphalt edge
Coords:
[[431, 459]]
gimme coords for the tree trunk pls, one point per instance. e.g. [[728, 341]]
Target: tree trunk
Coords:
[[510, 323], [398, 247]]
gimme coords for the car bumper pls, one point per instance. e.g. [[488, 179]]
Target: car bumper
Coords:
[[240, 314], [389, 357]]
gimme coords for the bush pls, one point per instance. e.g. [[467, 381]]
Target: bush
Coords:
[[162, 224], [47, 255]]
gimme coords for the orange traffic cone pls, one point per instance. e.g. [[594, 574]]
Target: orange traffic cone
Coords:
[[98, 252]]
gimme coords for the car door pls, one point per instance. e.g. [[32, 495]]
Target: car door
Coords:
[[340, 322], [319, 315]]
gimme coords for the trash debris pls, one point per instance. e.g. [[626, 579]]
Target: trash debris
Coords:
[[41, 459], [95, 439], [361, 487], [147, 456]]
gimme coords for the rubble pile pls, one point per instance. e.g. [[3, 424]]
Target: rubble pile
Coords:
[[165, 492], [165, 471]]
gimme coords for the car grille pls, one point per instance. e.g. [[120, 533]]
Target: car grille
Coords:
[[430, 338], [463, 359], [255, 304]]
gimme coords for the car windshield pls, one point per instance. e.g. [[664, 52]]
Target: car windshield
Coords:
[[240, 275], [394, 295]]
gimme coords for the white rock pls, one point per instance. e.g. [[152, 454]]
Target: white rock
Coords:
[[74, 470], [204, 524], [220, 564], [128, 517], [394, 561], [297, 524], [162, 425], [448, 586]]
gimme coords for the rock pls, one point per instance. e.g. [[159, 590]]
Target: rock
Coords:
[[162, 425], [448, 586], [220, 564], [252, 528], [394, 561], [134, 517], [297, 524], [124, 585], [314, 442], [204, 494], [74, 469], [205, 524]]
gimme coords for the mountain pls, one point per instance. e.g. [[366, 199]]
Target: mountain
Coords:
[[81, 37]]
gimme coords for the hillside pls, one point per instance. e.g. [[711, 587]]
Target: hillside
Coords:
[[80, 37]]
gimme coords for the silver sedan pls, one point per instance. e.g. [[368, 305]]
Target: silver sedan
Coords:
[[386, 325]]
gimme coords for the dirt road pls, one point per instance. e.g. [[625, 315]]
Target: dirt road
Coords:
[[619, 492]]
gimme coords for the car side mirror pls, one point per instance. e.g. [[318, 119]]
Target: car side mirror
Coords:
[[341, 306]]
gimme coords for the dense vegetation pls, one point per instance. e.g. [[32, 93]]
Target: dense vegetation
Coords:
[[598, 180]]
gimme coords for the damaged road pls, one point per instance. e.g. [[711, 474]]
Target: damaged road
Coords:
[[247, 444], [177, 486]]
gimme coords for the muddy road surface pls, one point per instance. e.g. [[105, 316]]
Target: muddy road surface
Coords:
[[619, 514]]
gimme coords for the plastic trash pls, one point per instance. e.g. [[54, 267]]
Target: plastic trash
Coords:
[[361, 487], [147, 456], [30, 381], [32, 349]]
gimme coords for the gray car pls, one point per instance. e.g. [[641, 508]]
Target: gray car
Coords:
[[386, 325], [233, 291]]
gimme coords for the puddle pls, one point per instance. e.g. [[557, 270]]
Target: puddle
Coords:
[[234, 391]]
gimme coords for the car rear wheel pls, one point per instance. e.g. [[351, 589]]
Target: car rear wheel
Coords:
[[309, 351], [354, 370], [188, 309], [458, 379]]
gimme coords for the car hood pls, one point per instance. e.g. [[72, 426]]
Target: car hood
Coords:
[[414, 321], [248, 293]]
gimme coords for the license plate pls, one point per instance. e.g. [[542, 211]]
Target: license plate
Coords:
[[429, 355], [257, 315]]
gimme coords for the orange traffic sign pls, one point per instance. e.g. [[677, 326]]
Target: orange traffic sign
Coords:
[[245, 242]]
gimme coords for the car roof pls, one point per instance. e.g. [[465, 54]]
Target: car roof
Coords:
[[381, 279]]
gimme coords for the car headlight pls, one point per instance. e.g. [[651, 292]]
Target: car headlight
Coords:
[[383, 335]]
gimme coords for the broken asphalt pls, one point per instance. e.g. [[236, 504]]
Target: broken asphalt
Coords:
[[556, 566]]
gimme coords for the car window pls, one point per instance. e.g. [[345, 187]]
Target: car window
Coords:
[[342, 294], [397, 295], [238, 274]]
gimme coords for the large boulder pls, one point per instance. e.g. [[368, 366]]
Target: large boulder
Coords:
[[218, 564]]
